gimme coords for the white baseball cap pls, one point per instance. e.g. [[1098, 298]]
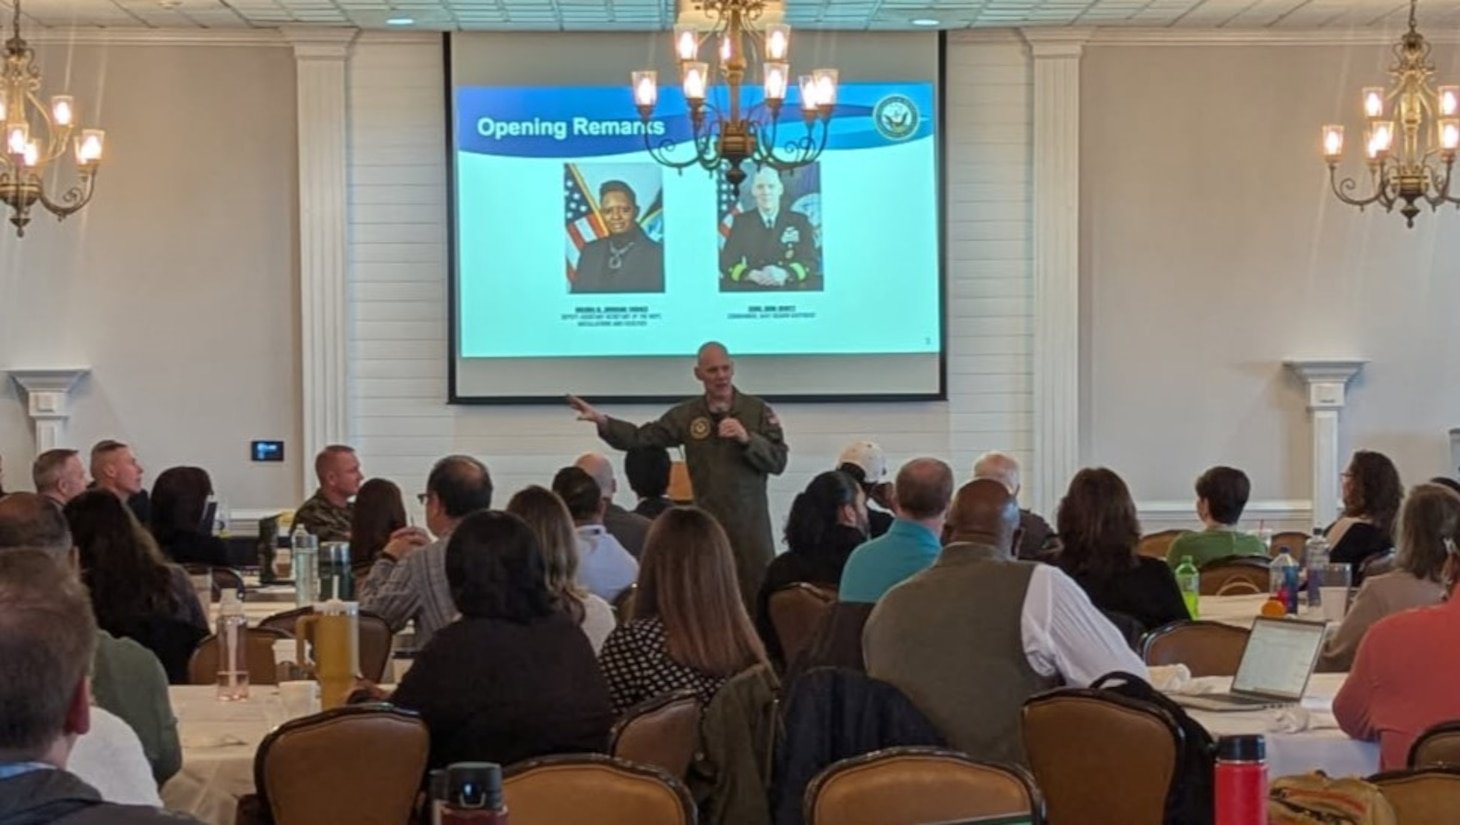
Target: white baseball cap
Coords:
[[868, 456]]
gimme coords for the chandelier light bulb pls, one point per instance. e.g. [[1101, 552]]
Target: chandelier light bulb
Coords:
[[3, 107], [1450, 135], [89, 147], [695, 81], [1373, 102], [63, 110], [777, 79], [727, 48], [777, 42], [646, 88], [825, 87], [1333, 141], [1449, 101], [32, 154], [1384, 135], [809, 99], [686, 43], [17, 135]]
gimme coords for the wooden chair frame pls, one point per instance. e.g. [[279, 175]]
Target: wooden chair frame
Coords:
[[831, 772]]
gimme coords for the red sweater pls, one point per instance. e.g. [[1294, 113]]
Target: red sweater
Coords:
[[1403, 680]]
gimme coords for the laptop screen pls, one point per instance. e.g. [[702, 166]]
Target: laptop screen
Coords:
[[1279, 657]]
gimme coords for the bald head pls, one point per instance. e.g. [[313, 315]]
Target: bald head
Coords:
[[715, 370], [711, 351], [597, 466], [923, 488], [984, 512], [1000, 467]]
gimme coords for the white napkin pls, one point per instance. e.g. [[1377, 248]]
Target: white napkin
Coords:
[[1168, 678], [1296, 719]]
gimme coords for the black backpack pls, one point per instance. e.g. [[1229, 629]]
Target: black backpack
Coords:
[[1191, 797]]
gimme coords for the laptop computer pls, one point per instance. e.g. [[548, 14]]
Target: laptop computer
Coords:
[[1274, 671]]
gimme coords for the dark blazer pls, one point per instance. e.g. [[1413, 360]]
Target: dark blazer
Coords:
[[492, 690], [1147, 592], [640, 265], [1360, 541], [789, 243]]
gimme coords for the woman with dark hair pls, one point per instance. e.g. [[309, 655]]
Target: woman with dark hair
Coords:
[[1371, 496], [1098, 527], [826, 523], [179, 508], [379, 512], [689, 628], [548, 517], [134, 592], [1431, 515], [514, 677]]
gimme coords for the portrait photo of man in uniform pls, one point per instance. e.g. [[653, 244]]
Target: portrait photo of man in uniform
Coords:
[[772, 242], [609, 246]]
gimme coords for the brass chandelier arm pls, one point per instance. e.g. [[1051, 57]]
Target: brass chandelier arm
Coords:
[[798, 151], [1348, 185], [72, 200]]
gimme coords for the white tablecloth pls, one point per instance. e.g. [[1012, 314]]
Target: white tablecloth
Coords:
[[219, 740], [1239, 611], [1323, 746]]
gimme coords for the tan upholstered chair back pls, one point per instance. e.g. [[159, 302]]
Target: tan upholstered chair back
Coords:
[[1439, 745], [1422, 797], [662, 732], [375, 638], [203, 667], [1294, 541], [1099, 758], [623, 606], [1235, 577], [360, 764], [912, 786], [1206, 648], [598, 789], [796, 610], [1156, 545]]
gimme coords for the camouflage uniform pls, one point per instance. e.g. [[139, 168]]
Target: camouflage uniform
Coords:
[[324, 520], [729, 478]]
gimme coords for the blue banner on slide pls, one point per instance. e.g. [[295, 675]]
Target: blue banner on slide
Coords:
[[582, 121]]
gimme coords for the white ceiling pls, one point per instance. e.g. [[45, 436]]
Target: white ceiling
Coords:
[[557, 15]]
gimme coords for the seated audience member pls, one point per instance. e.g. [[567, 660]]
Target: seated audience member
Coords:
[[689, 628], [408, 580], [924, 487], [1404, 676], [604, 566], [1371, 498], [1448, 483], [47, 637], [126, 679], [109, 758], [648, 470], [135, 593], [379, 512], [1431, 514], [58, 475], [1038, 539], [827, 522], [865, 462], [973, 636], [629, 528], [327, 514], [114, 468], [548, 517], [1099, 533], [514, 677], [1221, 495], [179, 512]]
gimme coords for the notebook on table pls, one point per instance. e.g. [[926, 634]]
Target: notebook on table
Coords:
[[1276, 664]]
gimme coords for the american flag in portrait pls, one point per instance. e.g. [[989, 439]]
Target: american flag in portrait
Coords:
[[584, 222]]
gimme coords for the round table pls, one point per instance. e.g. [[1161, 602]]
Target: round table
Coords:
[[219, 740]]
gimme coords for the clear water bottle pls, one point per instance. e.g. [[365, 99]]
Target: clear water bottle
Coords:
[[1315, 559], [305, 550], [1283, 581], [1188, 578], [232, 649]]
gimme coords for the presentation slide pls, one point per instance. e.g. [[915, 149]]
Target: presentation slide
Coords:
[[578, 255]]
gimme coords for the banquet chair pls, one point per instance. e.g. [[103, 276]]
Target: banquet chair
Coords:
[[375, 638], [1156, 545], [1377, 564], [258, 653], [360, 764], [1101, 758], [1206, 648], [1429, 796], [224, 578], [913, 785], [1437, 745], [796, 611], [592, 787], [623, 605], [1219, 577], [1294, 541], [662, 731]]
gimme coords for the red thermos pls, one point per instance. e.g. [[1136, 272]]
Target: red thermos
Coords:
[[1241, 781]]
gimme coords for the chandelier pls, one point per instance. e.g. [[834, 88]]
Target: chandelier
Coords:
[[1410, 141], [35, 136], [726, 136]]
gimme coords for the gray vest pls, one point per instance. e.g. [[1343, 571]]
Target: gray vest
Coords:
[[950, 639]]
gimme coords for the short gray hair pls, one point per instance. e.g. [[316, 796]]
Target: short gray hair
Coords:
[[1000, 467], [47, 638]]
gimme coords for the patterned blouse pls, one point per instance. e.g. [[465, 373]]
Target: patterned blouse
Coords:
[[635, 662]]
